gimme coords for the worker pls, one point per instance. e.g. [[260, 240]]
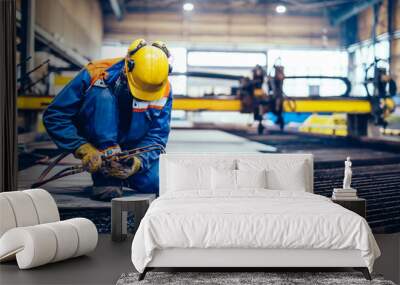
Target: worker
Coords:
[[114, 105]]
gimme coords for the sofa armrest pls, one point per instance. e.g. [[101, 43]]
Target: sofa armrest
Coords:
[[41, 244]]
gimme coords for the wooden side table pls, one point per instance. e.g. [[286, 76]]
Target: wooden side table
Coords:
[[357, 205], [120, 207]]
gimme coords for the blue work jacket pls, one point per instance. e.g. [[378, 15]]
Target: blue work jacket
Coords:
[[104, 113]]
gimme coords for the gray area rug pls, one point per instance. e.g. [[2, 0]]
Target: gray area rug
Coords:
[[233, 278]]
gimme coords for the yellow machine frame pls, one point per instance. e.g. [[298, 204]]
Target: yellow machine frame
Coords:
[[297, 105]]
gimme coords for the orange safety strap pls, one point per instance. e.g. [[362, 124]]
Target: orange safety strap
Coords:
[[97, 69]]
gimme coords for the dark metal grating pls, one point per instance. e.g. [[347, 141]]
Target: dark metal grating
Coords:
[[379, 185], [376, 170]]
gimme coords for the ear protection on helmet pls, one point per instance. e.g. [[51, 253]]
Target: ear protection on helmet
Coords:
[[158, 44], [130, 62], [162, 46]]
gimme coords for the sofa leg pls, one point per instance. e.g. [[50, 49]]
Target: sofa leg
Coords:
[[364, 271], [143, 274]]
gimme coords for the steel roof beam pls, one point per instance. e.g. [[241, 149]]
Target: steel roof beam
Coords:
[[118, 7], [343, 15]]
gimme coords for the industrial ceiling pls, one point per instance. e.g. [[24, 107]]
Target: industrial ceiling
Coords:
[[336, 10]]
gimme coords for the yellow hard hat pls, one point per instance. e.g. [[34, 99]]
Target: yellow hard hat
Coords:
[[146, 69]]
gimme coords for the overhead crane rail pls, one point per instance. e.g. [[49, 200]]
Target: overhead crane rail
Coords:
[[251, 96], [224, 103]]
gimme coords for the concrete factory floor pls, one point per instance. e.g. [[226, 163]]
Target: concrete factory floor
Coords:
[[180, 141]]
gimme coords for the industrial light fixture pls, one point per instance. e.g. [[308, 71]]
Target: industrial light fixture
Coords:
[[188, 7], [280, 9]]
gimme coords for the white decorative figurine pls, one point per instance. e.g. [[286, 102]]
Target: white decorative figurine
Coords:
[[345, 193], [347, 174]]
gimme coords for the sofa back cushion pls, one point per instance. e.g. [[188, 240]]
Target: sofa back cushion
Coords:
[[26, 208], [188, 171]]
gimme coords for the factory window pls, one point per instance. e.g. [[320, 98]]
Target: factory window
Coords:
[[226, 59], [311, 63], [178, 62], [232, 63], [111, 51], [363, 56]]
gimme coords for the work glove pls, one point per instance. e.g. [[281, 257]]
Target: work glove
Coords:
[[123, 169], [111, 151], [90, 157]]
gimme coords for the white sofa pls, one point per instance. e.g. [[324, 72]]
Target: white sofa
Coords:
[[31, 231]]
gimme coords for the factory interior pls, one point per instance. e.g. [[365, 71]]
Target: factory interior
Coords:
[[258, 77]]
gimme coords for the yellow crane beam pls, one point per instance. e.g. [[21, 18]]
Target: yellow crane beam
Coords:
[[206, 104], [320, 105], [298, 105], [33, 102]]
